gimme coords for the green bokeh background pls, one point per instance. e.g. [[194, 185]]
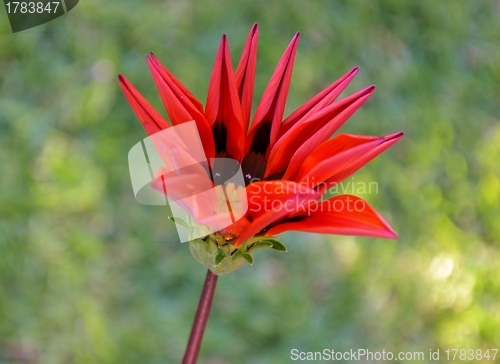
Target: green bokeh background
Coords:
[[87, 275]]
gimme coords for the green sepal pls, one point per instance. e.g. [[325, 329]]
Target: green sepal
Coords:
[[208, 252], [180, 222], [192, 229], [219, 257], [219, 240], [246, 256], [279, 246], [259, 245], [265, 242], [222, 257]]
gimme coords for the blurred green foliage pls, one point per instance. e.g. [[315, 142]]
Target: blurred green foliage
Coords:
[[87, 275]]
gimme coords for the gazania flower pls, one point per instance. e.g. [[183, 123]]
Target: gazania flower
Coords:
[[288, 163]]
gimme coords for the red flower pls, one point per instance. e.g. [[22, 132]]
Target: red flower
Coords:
[[288, 163]]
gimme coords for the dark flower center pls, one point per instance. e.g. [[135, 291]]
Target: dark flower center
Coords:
[[253, 164], [253, 167]]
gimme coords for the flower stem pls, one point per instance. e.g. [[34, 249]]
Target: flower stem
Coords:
[[200, 320]]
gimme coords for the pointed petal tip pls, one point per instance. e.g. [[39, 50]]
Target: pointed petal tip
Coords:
[[397, 135], [152, 64], [294, 41], [124, 82], [368, 91], [223, 44], [353, 72], [153, 56], [393, 137], [152, 60], [389, 233]]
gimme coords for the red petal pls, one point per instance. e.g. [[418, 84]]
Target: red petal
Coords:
[[322, 99], [338, 158], [269, 201], [341, 215], [179, 105], [272, 105], [150, 119], [245, 74], [176, 84], [194, 192], [223, 110], [306, 135]]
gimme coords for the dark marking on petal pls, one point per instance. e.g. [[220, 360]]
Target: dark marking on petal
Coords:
[[254, 167], [285, 220], [223, 169], [275, 176], [261, 138], [220, 136]]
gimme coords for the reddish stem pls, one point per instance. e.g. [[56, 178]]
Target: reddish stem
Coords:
[[200, 320]]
